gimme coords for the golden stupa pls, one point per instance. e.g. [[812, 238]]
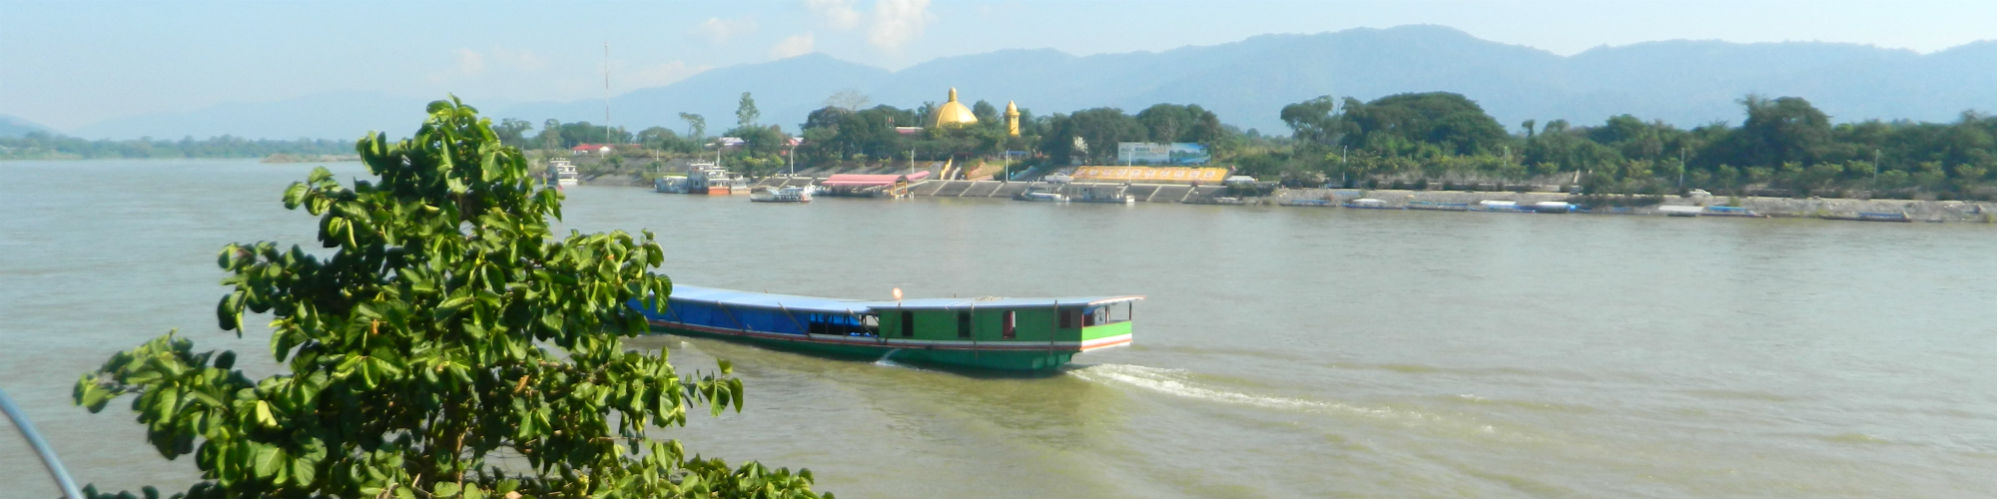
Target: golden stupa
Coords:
[[953, 113], [1013, 120]]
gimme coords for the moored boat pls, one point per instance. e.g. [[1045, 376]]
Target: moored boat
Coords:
[[780, 195], [1684, 211], [708, 178], [1729, 211], [1554, 207], [671, 184], [1872, 216], [1437, 206], [1040, 195], [562, 173], [1012, 334], [1369, 204]]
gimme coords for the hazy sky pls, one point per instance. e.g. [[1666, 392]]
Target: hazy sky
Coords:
[[70, 64]]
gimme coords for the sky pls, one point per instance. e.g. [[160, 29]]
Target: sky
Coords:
[[68, 64]]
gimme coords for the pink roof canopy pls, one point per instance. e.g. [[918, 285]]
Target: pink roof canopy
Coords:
[[859, 180]]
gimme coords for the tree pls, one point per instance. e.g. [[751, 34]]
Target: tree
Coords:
[[551, 134], [1391, 124], [696, 125], [511, 132], [659, 137], [1312, 121], [445, 325], [746, 111], [1103, 128]]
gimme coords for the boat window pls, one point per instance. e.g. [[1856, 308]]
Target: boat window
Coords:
[[1007, 326], [964, 324], [1072, 318], [909, 324], [871, 325], [840, 324]]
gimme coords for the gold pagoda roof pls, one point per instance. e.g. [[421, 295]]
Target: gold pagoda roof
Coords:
[[953, 113]]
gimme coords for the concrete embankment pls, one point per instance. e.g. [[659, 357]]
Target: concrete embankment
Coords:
[[1920, 211]]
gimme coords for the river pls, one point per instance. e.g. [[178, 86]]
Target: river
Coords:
[[1280, 352]]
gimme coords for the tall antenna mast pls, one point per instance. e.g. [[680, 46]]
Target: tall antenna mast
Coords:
[[607, 93]]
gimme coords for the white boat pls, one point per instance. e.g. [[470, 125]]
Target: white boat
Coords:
[[1368, 204], [783, 195], [707, 178], [562, 173], [1041, 195], [671, 184], [1554, 207], [1679, 210]]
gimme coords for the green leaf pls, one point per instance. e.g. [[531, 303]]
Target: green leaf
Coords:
[[265, 460], [263, 414], [736, 393], [293, 194], [444, 489]]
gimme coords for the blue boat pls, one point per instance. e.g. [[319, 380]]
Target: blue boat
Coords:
[[1436, 206], [1872, 216], [1729, 211], [1009, 334]]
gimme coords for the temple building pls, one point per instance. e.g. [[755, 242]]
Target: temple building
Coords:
[[954, 113]]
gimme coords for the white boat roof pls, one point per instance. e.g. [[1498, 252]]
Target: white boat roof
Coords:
[[846, 306]]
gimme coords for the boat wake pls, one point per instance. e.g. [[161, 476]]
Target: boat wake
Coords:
[[1184, 384], [888, 360], [1181, 383]]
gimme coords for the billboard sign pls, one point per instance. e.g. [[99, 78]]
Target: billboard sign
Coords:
[[1149, 153]]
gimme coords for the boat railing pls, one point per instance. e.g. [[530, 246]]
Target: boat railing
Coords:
[[42, 449]]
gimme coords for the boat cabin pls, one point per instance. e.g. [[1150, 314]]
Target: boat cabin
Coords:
[[1006, 333]]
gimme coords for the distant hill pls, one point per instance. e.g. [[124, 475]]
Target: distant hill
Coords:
[[16, 127], [345, 115], [1685, 83]]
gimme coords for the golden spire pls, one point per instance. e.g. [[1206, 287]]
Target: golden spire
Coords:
[[1013, 120]]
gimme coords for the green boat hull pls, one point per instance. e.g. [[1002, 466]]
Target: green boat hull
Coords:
[[966, 355]]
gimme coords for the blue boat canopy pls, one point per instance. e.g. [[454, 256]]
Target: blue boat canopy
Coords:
[[767, 300], [816, 304]]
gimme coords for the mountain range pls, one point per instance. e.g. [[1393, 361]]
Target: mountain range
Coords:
[[1685, 83]]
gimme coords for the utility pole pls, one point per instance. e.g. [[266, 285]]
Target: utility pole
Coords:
[[607, 93]]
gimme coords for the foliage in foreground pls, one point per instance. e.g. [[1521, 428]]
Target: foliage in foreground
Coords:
[[446, 332]]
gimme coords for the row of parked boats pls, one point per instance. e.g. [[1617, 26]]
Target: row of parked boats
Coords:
[[1520, 207], [710, 179]]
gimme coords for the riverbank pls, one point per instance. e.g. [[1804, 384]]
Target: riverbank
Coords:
[[310, 158], [1811, 207]]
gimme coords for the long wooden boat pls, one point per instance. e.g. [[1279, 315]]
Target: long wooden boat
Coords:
[[1871, 216], [1011, 334]]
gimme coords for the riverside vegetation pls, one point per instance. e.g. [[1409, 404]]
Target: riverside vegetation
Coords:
[[443, 328], [1783, 147]]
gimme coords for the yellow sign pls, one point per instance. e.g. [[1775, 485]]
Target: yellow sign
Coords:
[[1150, 174]]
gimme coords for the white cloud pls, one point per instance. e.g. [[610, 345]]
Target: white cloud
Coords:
[[470, 63], [897, 22], [839, 14], [793, 46], [718, 30]]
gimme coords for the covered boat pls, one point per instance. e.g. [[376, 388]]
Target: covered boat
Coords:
[[1013, 334], [781, 195]]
